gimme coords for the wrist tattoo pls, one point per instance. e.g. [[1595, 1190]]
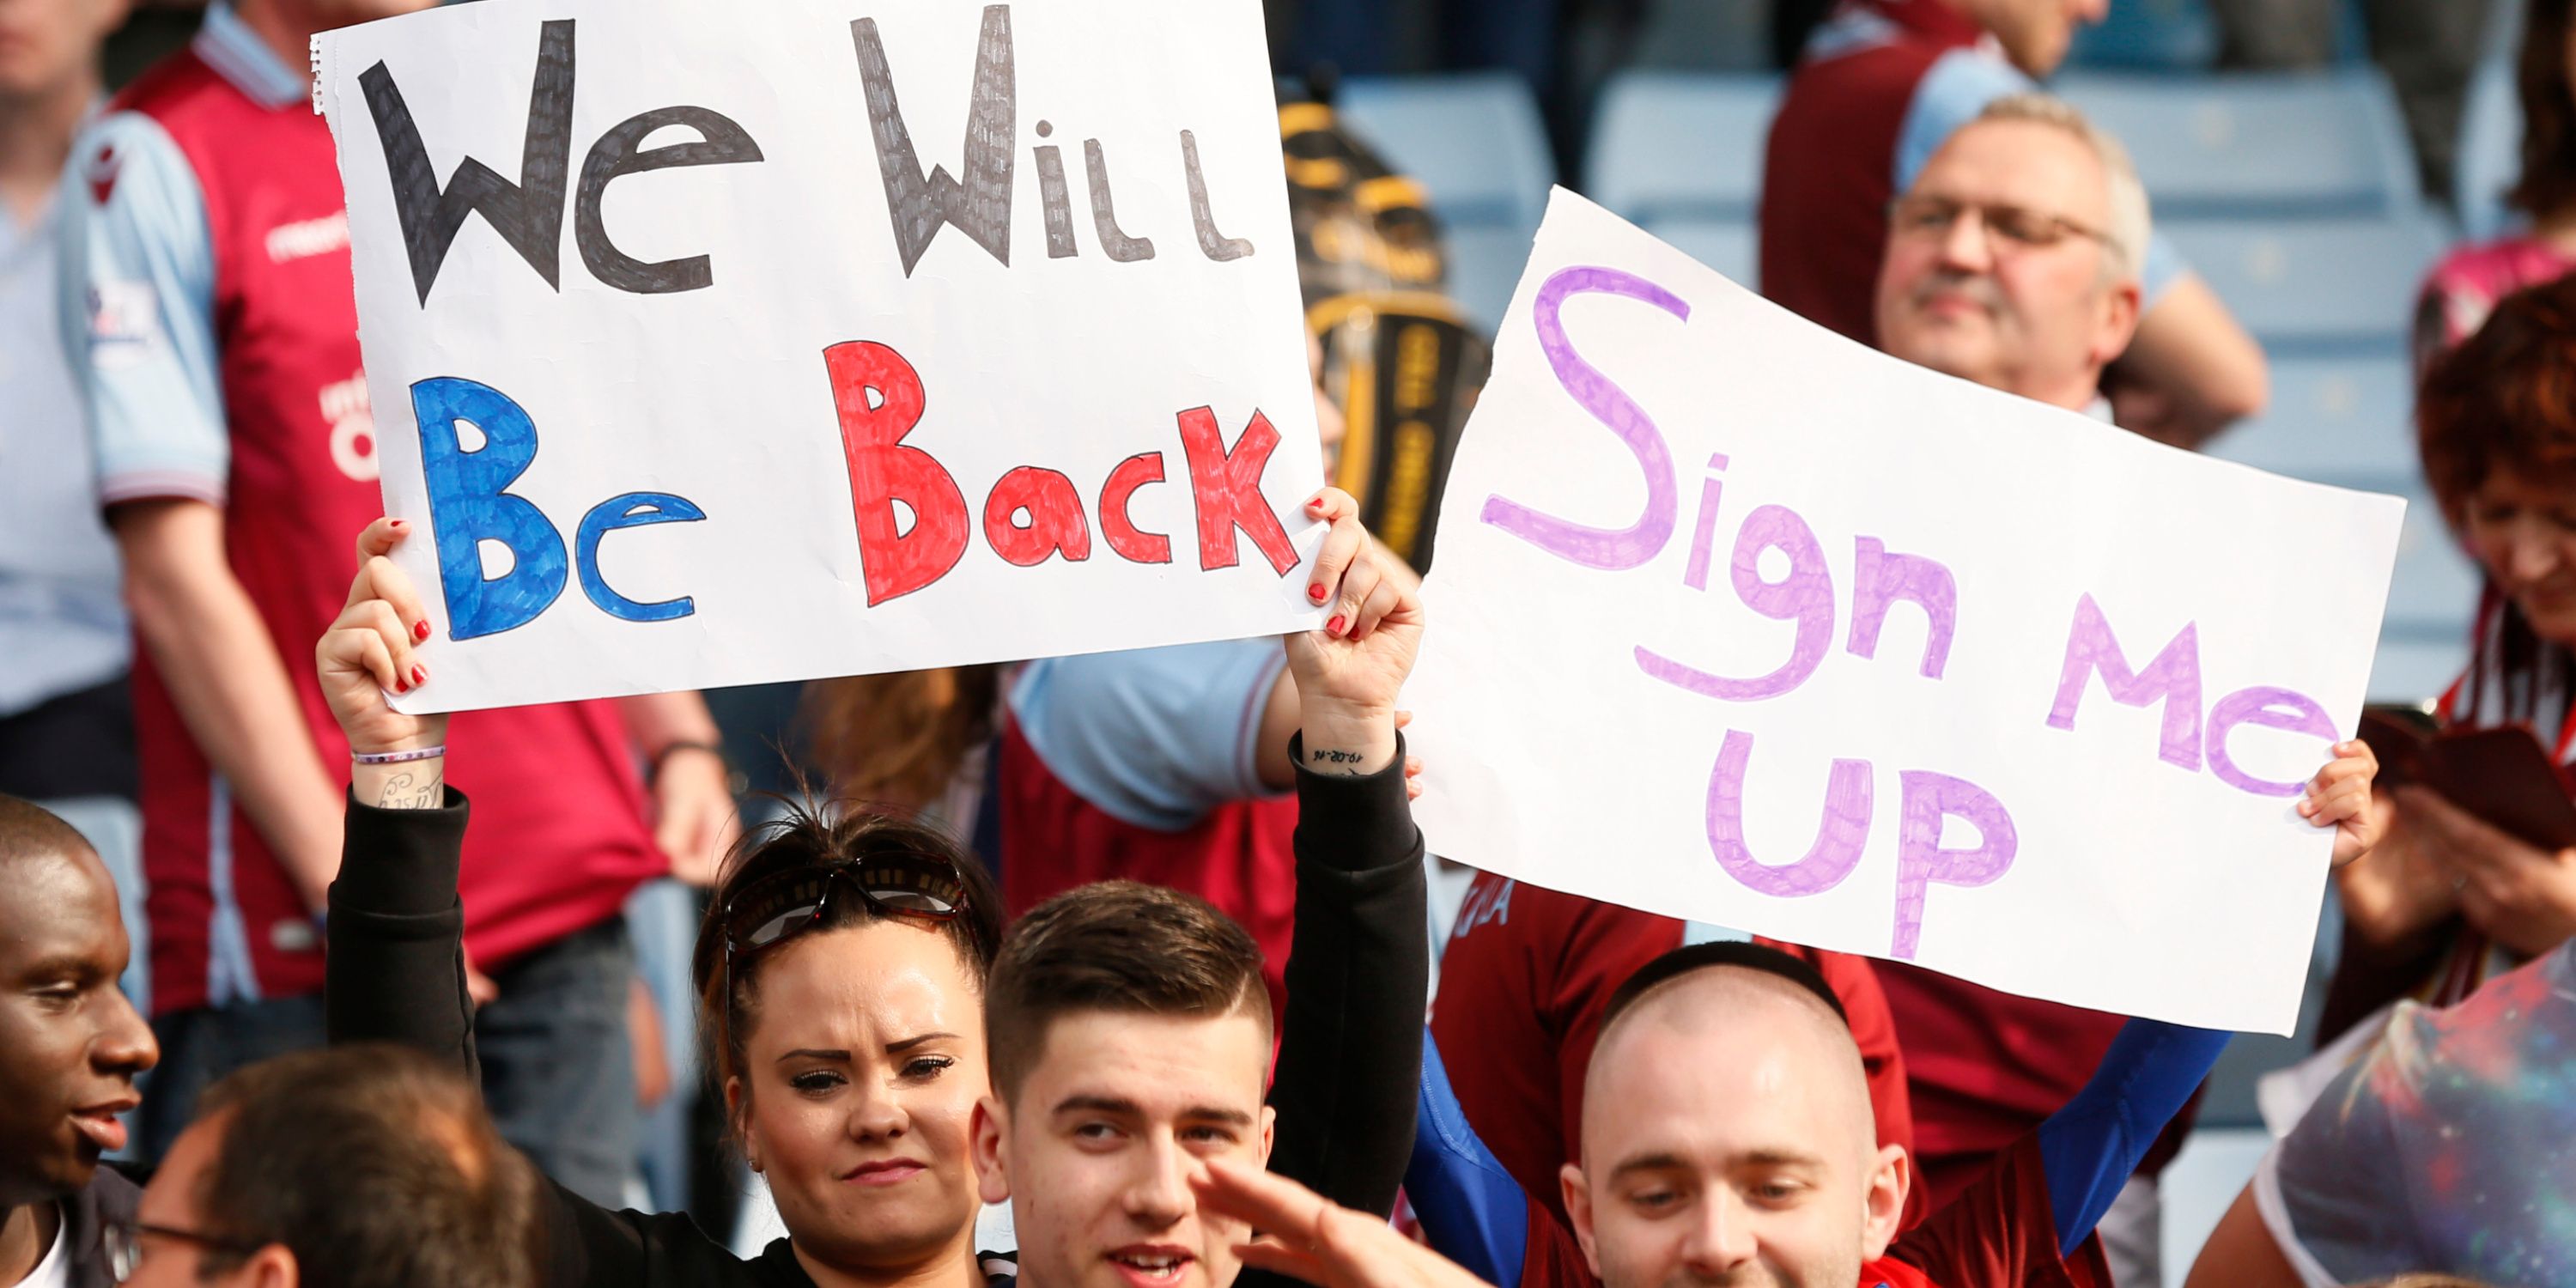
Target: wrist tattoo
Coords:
[[408, 790], [1334, 756]]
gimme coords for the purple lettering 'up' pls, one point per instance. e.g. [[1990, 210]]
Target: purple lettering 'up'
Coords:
[[1805, 596], [1920, 860], [2173, 677], [1839, 836], [2255, 707], [1604, 548], [1880, 579]]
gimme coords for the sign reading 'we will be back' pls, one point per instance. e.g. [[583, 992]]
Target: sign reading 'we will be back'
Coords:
[[819, 337]]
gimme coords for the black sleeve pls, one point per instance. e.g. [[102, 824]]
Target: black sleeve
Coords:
[[1359, 976], [395, 971]]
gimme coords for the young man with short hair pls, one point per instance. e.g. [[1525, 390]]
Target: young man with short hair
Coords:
[[357, 1164], [71, 1048]]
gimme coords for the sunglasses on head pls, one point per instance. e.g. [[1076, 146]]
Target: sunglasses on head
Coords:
[[778, 907]]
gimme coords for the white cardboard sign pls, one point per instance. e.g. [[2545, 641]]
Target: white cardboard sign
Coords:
[[714, 344], [1739, 621]]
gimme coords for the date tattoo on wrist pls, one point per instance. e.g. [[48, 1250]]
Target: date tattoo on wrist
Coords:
[[408, 790], [1332, 756]]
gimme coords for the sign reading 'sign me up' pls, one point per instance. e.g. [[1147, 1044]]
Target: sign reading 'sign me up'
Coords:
[[819, 337]]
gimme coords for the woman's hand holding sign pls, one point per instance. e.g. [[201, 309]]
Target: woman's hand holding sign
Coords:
[[2339, 797], [1349, 673], [367, 653]]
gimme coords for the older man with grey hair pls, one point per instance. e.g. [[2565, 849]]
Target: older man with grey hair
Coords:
[[2014, 261]]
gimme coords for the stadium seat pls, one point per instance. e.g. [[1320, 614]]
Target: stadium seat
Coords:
[[2259, 144], [1476, 143], [1672, 145], [2149, 35], [1473, 139], [2490, 152], [1704, 35], [1724, 245], [2335, 419], [2310, 286]]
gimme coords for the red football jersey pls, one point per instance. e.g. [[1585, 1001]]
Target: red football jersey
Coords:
[[559, 838], [1830, 168]]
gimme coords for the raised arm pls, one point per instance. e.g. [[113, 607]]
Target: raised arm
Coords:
[[396, 968], [1358, 972]]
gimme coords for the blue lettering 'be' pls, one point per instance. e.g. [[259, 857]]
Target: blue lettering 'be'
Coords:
[[469, 505]]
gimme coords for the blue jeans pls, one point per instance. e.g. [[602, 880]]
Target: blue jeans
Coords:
[[557, 1072]]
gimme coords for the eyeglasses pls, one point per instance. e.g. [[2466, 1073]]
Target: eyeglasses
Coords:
[[123, 1243], [2008, 228], [776, 908]]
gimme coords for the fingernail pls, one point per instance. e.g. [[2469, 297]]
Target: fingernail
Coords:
[[1334, 627], [419, 676], [397, 524], [399, 686], [420, 630], [1316, 504], [1316, 592]]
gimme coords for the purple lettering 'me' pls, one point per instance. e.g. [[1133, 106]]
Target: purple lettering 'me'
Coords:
[[2173, 677], [1604, 548]]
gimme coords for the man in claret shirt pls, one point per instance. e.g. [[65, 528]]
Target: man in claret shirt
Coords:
[[1881, 86], [209, 317]]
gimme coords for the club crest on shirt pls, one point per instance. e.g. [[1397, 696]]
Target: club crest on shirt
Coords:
[[124, 322], [100, 173]]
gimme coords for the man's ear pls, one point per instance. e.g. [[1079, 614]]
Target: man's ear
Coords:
[[1890, 1179], [737, 1109], [2122, 305], [270, 1267], [1578, 1208], [988, 1131], [1269, 1132]]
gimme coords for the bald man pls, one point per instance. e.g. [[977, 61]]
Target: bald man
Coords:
[[1727, 1139], [70, 1050]]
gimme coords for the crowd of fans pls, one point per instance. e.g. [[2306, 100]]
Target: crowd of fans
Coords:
[[1137, 944]]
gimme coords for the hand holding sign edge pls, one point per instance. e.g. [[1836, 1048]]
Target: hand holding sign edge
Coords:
[[1349, 673]]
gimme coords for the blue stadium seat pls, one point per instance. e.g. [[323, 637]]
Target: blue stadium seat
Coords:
[[1704, 35], [1476, 143], [2335, 419], [1722, 244], [2314, 285], [2259, 144], [2490, 152], [1474, 139], [1676, 145], [2149, 35]]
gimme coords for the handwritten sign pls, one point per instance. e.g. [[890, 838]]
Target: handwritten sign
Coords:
[[1739, 621], [716, 343]]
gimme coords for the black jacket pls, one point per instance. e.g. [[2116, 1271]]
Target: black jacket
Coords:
[[1350, 1054]]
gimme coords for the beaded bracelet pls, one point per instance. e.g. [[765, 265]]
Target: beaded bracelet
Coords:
[[397, 757]]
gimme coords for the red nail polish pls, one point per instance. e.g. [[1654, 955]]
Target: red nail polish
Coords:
[[420, 630], [399, 686], [397, 524], [1316, 592], [419, 676], [1334, 627]]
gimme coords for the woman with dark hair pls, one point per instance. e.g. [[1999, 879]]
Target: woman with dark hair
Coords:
[[842, 961], [2465, 286], [2450, 899]]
